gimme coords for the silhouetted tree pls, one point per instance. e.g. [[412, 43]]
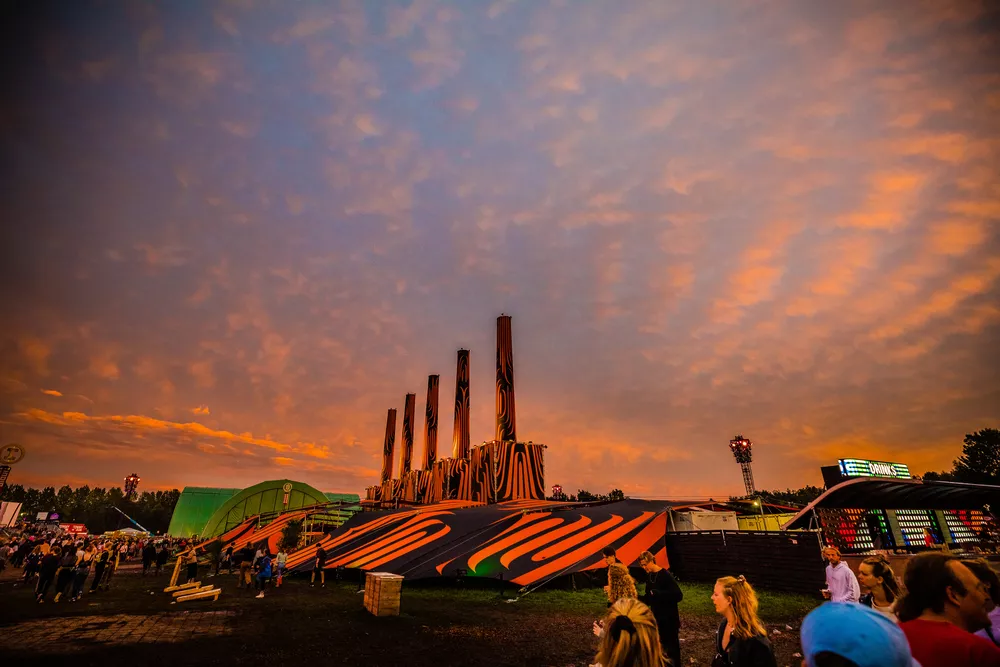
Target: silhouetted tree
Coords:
[[93, 507], [291, 534], [980, 459]]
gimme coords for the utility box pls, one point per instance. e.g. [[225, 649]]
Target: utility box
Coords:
[[382, 593]]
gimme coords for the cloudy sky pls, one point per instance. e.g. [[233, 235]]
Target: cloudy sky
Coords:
[[236, 233]]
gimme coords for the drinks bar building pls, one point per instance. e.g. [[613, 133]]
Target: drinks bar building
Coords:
[[878, 505]]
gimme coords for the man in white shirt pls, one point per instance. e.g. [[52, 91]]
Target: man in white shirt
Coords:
[[841, 584]]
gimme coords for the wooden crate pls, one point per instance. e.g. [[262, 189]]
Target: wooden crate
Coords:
[[382, 593]]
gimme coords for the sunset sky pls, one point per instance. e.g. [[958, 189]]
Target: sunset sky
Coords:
[[235, 233]]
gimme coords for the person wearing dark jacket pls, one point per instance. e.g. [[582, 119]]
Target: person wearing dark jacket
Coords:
[[47, 568], [161, 557], [148, 557], [662, 596], [100, 562], [742, 639]]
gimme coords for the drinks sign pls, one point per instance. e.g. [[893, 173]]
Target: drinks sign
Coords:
[[865, 468]]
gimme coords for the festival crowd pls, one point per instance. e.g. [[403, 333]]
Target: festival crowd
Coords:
[[944, 613]]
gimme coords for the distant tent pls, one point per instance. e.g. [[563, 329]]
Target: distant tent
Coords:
[[195, 507]]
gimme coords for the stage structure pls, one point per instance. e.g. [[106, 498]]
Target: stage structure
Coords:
[[497, 471], [526, 542]]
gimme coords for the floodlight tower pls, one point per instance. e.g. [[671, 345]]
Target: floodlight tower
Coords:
[[131, 484], [742, 452]]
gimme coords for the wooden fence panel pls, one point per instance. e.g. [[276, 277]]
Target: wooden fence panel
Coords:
[[789, 562]]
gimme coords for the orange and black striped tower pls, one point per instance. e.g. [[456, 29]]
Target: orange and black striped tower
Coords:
[[431, 422], [460, 437], [390, 444], [406, 456], [506, 422]]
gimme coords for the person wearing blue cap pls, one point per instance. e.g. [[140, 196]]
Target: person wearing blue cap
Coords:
[[844, 634]]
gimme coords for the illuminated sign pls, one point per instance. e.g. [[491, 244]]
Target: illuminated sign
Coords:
[[863, 468]]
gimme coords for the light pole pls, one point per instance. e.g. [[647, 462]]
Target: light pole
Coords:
[[742, 450], [131, 484]]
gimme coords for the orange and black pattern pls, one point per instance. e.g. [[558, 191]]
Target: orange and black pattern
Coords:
[[388, 446], [431, 422], [506, 421], [406, 456], [523, 541], [460, 437], [518, 471]]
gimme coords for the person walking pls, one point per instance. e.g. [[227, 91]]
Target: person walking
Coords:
[[841, 584], [64, 577], [191, 560], [100, 563], [662, 597], [280, 561], [227, 559], [162, 556], [318, 564], [82, 571], [876, 575], [263, 573], [47, 569], [148, 557], [741, 640], [620, 582], [246, 561], [943, 606]]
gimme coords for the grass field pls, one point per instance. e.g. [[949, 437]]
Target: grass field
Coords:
[[299, 624]]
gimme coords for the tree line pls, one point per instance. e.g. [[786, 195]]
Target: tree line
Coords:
[[95, 507], [979, 463]]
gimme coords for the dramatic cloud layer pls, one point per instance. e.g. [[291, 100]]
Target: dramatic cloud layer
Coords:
[[240, 231]]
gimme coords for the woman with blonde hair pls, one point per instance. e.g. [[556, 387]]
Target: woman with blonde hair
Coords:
[[742, 638], [630, 637]]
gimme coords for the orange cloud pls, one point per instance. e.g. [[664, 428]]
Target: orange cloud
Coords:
[[201, 410], [51, 392]]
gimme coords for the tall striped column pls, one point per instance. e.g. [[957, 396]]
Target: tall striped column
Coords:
[[390, 444], [409, 412], [460, 437], [506, 422], [431, 422]]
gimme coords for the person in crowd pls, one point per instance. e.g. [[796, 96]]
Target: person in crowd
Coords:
[[162, 556], [64, 577], [662, 596], [47, 569], [148, 557], [841, 584], [31, 563], [629, 637], [876, 575], [842, 634], [100, 563], [191, 560], [85, 558], [5, 553], [741, 640], [943, 605], [280, 561], [988, 576], [263, 573], [246, 562], [929, 541], [318, 564], [227, 559], [620, 582]]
